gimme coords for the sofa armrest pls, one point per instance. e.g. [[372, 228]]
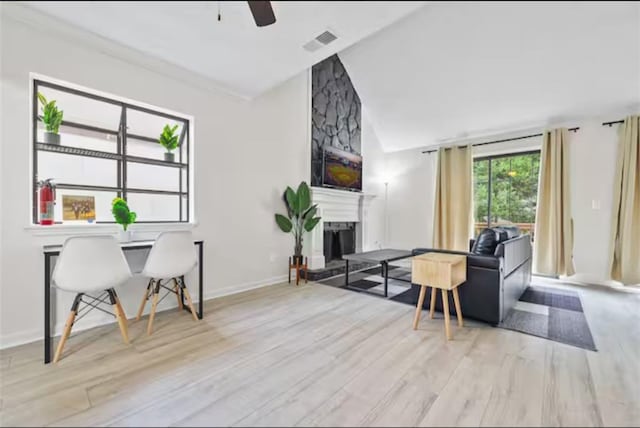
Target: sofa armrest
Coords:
[[514, 252]]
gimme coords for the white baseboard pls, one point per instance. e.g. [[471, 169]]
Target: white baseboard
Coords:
[[24, 337]]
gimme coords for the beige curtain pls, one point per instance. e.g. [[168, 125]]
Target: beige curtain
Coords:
[[625, 246], [453, 214], [553, 243]]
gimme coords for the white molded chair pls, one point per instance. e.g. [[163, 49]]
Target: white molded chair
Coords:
[[90, 264], [172, 256]]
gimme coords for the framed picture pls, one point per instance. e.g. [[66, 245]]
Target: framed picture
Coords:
[[78, 207]]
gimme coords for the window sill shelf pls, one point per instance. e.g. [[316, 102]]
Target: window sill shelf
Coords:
[[107, 229]]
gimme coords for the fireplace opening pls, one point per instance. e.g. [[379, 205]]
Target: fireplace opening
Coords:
[[339, 239]]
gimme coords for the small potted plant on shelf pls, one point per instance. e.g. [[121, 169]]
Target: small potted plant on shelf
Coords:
[[123, 216], [300, 217], [52, 119], [169, 140]]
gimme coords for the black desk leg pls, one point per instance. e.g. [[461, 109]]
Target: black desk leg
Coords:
[[385, 268], [201, 280], [47, 308], [346, 274]]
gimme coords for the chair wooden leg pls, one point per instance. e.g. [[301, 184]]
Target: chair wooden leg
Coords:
[[416, 318], [121, 309], [144, 300], [456, 300], [176, 287], [189, 301], [121, 317], [67, 328], [445, 309], [154, 305], [432, 305]]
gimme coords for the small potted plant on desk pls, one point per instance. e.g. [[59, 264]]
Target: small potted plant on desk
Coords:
[[124, 217], [300, 218], [169, 140], [52, 119]]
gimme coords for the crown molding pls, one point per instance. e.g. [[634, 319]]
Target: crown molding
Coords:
[[51, 26]]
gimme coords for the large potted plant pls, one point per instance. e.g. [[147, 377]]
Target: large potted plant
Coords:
[[169, 140], [52, 119], [123, 216], [299, 218]]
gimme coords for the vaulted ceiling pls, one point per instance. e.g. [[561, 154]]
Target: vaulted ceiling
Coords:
[[233, 52], [455, 69], [426, 72]]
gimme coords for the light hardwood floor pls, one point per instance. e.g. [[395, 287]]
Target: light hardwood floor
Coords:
[[318, 355]]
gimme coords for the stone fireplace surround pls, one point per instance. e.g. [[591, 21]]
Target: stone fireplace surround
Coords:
[[337, 206]]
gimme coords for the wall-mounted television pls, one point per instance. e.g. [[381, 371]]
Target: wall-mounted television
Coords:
[[341, 169]]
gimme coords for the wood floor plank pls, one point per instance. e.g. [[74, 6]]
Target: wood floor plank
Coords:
[[569, 396], [516, 397], [317, 355]]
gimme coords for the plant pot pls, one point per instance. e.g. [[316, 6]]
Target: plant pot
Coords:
[[124, 235], [299, 259], [169, 157], [51, 138]]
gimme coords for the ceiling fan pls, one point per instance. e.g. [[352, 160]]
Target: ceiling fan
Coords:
[[262, 13]]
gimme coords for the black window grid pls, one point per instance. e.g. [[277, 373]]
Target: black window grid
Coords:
[[121, 157]]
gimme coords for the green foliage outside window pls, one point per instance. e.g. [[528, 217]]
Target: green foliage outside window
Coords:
[[513, 183]]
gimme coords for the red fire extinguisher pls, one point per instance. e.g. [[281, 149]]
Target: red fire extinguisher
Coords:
[[47, 201]]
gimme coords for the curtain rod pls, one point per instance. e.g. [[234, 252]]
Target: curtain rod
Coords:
[[614, 122], [503, 141]]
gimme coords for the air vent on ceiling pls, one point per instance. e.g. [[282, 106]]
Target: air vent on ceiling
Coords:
[[320, 41], [326, 37]]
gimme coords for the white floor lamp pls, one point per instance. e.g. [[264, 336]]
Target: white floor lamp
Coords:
[[386, 214]]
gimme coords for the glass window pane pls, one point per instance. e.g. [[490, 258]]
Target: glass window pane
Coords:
[[148, 124], [83, 110], [102, 204], [183, 171], [149, 207], [184, 209], [514, 190], [82, 138], [71, 169], [153, 177], [145, 149]]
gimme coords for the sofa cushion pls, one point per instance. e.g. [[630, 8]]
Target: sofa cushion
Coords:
[[486, 242], [507, 232]]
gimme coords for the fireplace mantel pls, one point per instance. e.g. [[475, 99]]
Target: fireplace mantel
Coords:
[[337, 206]]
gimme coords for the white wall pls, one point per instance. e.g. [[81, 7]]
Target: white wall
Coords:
[[411, 177], [246, 153], [373, 170], [593, 150]]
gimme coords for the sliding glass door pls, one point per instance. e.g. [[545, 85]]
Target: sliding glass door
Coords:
[[506, 190]]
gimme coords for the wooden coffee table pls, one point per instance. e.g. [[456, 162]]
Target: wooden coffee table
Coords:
[[443, 271]]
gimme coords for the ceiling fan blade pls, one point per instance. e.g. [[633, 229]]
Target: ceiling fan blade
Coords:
[[262, 13]]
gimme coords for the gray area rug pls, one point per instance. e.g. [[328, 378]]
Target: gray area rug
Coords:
[[553, 314]]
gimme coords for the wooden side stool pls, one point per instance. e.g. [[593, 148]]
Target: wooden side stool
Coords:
[[443, 271], [299, 267]]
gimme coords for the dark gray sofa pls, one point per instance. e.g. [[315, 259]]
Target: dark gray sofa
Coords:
[[494, 282]]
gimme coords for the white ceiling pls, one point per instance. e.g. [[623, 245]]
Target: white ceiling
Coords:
[[456, 69], [234, 52]]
